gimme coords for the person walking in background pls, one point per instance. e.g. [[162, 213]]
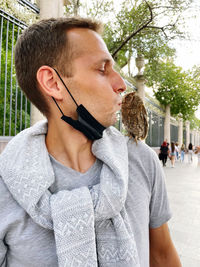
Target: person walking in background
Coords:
[[172, 154], [164, 153], [197, 151], [182, 152], [167, 142], [190, 153], [177, 151]]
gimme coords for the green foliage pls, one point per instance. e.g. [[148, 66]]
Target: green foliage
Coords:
[[172, 86], [13, 7], [99, 9], [93, 8], [13, 107], [153, 40], [194, 122]]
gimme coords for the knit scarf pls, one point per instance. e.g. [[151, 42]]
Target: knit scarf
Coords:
[[91, 226]]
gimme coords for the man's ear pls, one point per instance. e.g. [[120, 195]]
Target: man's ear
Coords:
[[48, 82]]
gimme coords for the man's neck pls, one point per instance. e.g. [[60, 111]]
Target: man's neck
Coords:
[[69, 146]]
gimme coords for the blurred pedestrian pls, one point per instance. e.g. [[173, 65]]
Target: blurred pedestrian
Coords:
[[182, 152], [172, 154], [164, 150], [177, 151], [190, 153], [197, 151]]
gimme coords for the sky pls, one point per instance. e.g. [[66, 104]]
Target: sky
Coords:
[[188, 50]]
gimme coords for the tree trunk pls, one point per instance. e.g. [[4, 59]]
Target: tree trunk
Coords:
[[180, 132], [76, 7], [167, 136], [187, 128]]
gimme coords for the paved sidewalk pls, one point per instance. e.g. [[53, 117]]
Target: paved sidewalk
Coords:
[[183, 186]]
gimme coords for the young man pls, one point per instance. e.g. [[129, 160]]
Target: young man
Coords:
[[74, 191]]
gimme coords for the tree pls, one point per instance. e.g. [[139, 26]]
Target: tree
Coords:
[[72, 7], [93, 8], [145, 27], [194, 122], [175, 89], [172, 86], [139, 27]]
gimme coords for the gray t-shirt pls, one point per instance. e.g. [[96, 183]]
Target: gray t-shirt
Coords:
[[23, 243]]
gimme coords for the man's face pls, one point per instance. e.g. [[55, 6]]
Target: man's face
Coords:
[[94, 83]]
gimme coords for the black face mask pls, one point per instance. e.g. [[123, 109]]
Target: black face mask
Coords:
[[86, 123]]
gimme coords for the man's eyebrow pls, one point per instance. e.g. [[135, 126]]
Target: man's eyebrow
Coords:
[[106, 60]]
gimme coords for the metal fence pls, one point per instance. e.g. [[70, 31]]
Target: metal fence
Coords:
[[14, 107], [174, 133], [156, 129], [32, 5], [155, 135]]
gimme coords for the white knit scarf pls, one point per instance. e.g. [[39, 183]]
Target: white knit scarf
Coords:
[[91, 226]]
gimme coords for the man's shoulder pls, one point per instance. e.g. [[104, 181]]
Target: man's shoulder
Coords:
[[37, 129], [144, 165], [18, 145], [140, 150]]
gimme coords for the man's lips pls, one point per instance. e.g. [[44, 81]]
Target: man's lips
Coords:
[[120, 103]]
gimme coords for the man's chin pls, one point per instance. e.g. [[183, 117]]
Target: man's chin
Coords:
[[112, 122]]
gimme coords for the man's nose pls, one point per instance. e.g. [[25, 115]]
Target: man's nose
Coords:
[[119, 85]]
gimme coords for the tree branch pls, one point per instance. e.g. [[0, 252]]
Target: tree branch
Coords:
[[163, 28], [159, 28], [165, 7], [136, 32]]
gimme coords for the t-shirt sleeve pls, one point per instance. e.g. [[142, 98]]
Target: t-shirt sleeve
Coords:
[[159, 205]]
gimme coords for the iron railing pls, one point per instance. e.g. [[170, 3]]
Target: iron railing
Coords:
[[30, 4], [14, 107], [155, 135]]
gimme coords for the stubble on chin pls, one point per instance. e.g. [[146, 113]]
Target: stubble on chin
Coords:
[[110, 121]]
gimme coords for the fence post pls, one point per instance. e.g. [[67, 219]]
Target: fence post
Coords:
[[48, 9]]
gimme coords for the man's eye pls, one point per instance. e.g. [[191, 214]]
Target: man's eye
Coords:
[[102, 70]]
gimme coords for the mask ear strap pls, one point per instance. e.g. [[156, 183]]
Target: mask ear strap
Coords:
[[58, 106], [65, 88]]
